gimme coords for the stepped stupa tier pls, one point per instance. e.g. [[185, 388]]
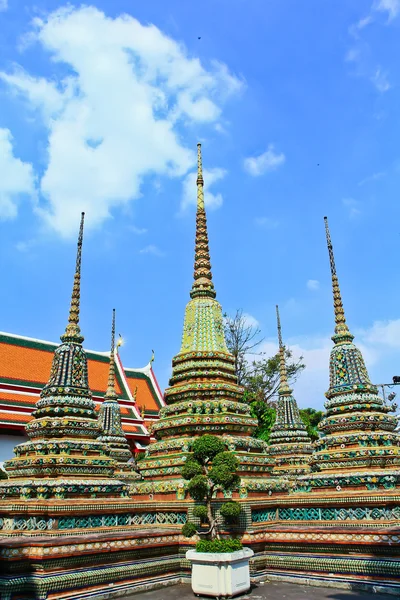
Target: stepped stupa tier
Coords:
[[204, 396], [63, 457], [110, 424], [290, 444], [358, 446]]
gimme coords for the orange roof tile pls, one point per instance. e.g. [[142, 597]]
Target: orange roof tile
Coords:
[[27, 400], [144, 396], [15, 417], [98, 377], [25, 364]]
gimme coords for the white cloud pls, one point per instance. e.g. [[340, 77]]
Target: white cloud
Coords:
[[268, 161], [380, 80], [16, 177], [353, 207], [313, 284], [386, 333], [189, 189], [3, 5], [119, 115], [391, 7], [360, 25], [152, 249], [138, 230], [250, 321], [373, 177], [266, 222]]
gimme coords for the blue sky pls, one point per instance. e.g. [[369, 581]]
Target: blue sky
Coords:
[[296, 104]]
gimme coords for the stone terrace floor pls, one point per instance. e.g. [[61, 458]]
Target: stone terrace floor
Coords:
[[266, 591]]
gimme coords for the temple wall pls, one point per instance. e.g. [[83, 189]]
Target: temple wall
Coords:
[[112, 565]]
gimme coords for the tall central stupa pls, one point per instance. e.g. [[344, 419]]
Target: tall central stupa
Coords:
[[204, 396]]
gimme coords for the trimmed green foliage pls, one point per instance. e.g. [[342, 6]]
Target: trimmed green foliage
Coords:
[[206, 447], [230, 511], [211, 469], [198, 487], [219, 545], [189, 530], [190, 469], [227, 459], [200, 512]]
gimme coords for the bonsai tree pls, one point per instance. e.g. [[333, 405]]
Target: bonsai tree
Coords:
[[209, 470]]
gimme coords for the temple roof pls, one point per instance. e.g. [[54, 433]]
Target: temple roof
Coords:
[[25, 365]]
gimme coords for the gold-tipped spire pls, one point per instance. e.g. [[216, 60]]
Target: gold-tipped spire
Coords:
[[111, 393], [284, 385], [72, 331], [202, 285], [341, 330]]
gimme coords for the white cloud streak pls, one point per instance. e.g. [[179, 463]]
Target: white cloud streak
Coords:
[[16, 177], [263, 163], [118, 116], [390, 7], [313, 285], [153, 250]]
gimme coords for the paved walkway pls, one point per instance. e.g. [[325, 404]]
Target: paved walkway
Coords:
[[267, 591]]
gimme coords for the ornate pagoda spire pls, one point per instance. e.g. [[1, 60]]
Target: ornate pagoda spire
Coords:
[[358, 443], [203, 394], [110, 416], [284, 385], [290, 444], [203, 286], [342, 332], [64, 427], [73, 331], [111, 393]]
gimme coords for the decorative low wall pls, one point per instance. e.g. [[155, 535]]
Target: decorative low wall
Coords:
[[353, 544]]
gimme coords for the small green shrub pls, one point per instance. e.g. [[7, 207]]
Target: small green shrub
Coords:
[[200, 512], [189, 530], [230, 511], [210, 470], [206, 447], [219, 545], [190, 469], [198, 487]]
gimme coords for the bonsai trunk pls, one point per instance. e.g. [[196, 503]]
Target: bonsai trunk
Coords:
[[213, 524]]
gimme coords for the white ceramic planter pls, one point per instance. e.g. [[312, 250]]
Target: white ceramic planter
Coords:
[[223, 574]]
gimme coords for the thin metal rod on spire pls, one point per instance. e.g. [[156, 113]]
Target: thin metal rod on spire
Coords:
[[111, 393], [72, 330], [284, 385], [341, 328]]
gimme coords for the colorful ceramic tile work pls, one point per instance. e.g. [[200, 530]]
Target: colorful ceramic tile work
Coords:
[[290, 444], [110, 425], [358, 447], [25, 364], [203, 396], [64, 457]]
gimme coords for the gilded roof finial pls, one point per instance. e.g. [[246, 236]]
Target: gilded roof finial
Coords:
[[111, 393], [203, 285], [72, 331], [284, 388], [342, 332]]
